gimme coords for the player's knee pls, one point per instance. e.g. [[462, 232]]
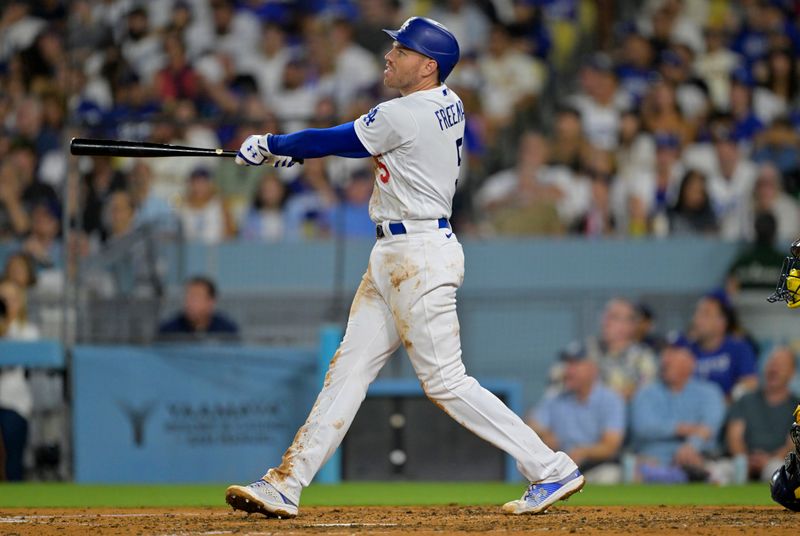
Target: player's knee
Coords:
[[438, 388]]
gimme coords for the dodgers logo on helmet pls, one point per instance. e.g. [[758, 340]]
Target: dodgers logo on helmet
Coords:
[[431, 39]]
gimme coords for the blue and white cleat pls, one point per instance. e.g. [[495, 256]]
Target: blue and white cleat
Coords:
[[260, 497], [539, 497]]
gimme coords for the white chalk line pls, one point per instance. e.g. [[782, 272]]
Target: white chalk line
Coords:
[[353, 525], [36, 517]]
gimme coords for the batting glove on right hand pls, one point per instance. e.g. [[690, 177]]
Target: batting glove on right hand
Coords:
[[255, 151]]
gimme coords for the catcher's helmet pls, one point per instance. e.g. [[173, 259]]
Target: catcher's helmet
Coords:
[[789, 294], [785, 483], [431, 39]]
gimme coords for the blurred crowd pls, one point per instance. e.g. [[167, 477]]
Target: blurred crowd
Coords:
[[629, 405], [585, 117]]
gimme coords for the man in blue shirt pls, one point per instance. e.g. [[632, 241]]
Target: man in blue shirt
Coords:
[[199, 315], [676, 419], [721, 358], [585, 419]]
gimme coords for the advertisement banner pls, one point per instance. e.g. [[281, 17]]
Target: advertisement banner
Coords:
[[188, 413]]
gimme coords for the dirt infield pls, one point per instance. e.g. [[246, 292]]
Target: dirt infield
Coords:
[[438, 520]]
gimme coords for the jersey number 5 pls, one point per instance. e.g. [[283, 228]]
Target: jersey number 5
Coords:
[[459, 143], [384, 171]]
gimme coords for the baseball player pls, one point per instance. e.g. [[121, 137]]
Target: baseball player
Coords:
[[408, 294], [788, 287], [785, 482]]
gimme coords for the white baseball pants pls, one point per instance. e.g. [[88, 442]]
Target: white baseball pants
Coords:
[[408, 296]]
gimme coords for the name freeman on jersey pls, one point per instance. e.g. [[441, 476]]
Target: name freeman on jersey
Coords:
[[450, 116]]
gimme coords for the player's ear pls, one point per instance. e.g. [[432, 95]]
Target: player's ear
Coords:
[[430, 68]]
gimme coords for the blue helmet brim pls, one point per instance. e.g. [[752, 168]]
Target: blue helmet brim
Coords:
[[394, 34]]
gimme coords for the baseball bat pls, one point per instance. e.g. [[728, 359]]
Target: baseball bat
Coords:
[[93, 147]]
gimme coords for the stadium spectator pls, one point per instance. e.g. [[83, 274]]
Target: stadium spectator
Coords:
[[177, 80], [14, 218], [532, 198], [660, 113], [777, 145], [598, 220], [646, 334], [149, 209], [675, 420], [756, 266], [142, 48], [780, 85], [692, 212], [98, 185], [569, 146], [43, 242], [769, 196], [731, 182], [715, 64], [758, 421], [691, 93], [204, 216], [600, 102], [512, 80], [199, 315], [624, 364], [21, 269], [19, 326], [585, 418], [15, 407], [722, 358], [635, 71], [119, 215], [350, 216], [466, 21], [311, 199], [266, 219], [355, 67], [266, 63], [746, 124]]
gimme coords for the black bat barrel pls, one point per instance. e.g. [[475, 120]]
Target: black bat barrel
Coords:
[[93, 147]]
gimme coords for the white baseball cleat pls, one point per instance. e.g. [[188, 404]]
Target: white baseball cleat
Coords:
[[539, 497], [260, 497]]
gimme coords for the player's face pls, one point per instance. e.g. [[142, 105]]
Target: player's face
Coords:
[[403, 67]]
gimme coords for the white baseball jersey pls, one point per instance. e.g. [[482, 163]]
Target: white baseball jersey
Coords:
[[408, 296], [416, 142]]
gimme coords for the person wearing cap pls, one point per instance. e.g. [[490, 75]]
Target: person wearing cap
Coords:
[[746, 124], [204, 216], [731, 180], [722, 358], [600, 102], [757, 422], [585, 418], [675, 420]]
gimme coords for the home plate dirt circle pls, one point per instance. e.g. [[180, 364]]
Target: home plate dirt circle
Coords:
[[395, 520]]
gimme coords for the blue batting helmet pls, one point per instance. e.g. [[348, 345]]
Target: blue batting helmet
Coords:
[[431, 39]]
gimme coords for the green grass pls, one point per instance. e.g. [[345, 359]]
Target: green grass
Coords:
[[371, 493]]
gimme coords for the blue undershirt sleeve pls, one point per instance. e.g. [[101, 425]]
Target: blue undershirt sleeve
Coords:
[[318, 142]]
